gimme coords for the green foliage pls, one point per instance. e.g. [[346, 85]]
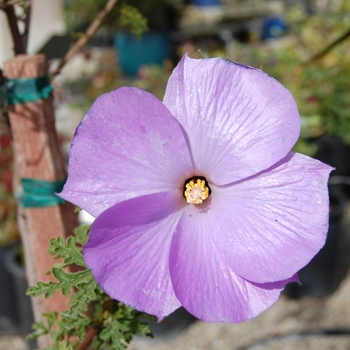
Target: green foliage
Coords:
[[92, 314], [130, 18], [81, 236], [122, 324], [80, 13], [68, 250]]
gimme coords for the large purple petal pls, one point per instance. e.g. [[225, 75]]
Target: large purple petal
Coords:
[[239, 121], [271, 225], [206, 286], [127, 145], [128, 251]]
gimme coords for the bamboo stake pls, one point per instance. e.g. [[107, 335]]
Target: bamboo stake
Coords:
[[37, 156]]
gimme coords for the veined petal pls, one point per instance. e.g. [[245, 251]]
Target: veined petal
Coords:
[[271, 225], [206, 286], [239, 121], [128, 251], [127, 145]]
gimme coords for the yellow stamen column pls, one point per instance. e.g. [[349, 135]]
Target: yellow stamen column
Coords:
[[196, 191]]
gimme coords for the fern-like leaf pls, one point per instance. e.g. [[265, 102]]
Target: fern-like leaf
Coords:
[[67, 250]]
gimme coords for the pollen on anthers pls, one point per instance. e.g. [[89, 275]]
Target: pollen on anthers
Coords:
[[196, 190]]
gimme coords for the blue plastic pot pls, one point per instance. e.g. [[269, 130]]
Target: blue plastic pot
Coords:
[[274, 27], [206, 2], [151, 48]]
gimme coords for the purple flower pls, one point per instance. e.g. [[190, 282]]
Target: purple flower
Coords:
[[199, 201]]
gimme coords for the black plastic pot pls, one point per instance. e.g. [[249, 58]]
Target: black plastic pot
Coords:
[[15, 305], [8, 317], [172, 325], [320, 277], [22, 310]]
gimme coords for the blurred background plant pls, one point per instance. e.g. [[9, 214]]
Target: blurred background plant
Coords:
[[320, 85], [134, 15]]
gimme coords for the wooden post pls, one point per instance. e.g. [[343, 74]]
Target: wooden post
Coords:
[[37, 156]]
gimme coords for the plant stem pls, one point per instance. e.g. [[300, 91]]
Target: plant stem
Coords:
[[88, 339], [11, 3], [327, 48], [26, 22], [12, 20], [95, 25]]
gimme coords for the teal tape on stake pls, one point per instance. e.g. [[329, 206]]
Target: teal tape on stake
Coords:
[[40, 193], [27, 90]]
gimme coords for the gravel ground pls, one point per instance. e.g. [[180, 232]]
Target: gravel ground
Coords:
[[285, 317], [13, 342], [278, 328]]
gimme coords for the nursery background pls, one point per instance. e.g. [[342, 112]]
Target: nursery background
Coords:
[[95, 46]]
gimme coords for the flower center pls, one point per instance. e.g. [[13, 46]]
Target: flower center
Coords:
[[196, 190]]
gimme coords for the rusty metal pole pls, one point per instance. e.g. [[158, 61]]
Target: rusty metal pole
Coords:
[[37, 156]]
